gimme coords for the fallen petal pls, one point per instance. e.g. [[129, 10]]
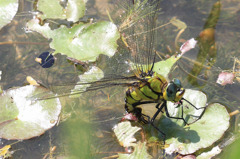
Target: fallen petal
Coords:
[[188, 45], [225, 78]]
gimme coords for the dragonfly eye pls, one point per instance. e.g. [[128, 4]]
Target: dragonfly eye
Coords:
[[177, 82], [175, 90], [171, 91]]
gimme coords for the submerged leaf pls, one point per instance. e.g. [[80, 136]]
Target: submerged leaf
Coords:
[[84, 41], [8, 9], [178, 23], [21, 118]]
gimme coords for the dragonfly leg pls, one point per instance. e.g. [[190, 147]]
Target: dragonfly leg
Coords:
[[145, 119], [141, 117], [168, 115], [158, 110], [192, 104], [198, 117], [154, 117]]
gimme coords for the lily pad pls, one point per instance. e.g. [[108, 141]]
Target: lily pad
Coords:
[[84, 41], [74, 10], [161, 67], [21, 118], [164, 67], [190, 114], [51, 9], [8, 9], [201, 134], [140, 152], [125, 132], [92, 75], [213, 152]]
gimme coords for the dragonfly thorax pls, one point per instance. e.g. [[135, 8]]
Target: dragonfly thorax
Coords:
[[149, 88], [153, 88]]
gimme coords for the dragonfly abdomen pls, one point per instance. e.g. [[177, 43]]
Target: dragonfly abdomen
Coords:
[[151, 88]]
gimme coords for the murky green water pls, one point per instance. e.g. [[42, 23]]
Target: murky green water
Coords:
[[85, 128]]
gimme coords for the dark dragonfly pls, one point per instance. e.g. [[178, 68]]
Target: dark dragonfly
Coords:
[[138, 35]]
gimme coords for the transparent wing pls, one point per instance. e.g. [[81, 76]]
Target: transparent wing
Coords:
[[138, 32]]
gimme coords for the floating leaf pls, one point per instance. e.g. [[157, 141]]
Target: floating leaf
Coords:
[[125, 132], [51, 9], [74, 10], [21, 118], [94, 74], [213, 152], [164, 67], [84, 41], [140, 152], [8, 9], [201, 134], [197, 98]]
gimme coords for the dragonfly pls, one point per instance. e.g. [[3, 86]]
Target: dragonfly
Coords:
[[145, 86]]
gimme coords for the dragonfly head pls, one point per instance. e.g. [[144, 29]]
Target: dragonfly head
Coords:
[[174, 91]]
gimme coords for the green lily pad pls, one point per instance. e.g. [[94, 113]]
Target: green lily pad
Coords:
[[201, 134], [213, 152], [74, 10], [161, 67], [197, 98], [84, 41], [51, 9], [124, 132], [21, 118], [140, 152], [94, 74], [8, 9], [164, 67]]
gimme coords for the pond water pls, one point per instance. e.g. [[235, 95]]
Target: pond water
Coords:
[[85, 127]]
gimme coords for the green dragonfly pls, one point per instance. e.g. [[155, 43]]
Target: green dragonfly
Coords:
[[144, 86]]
